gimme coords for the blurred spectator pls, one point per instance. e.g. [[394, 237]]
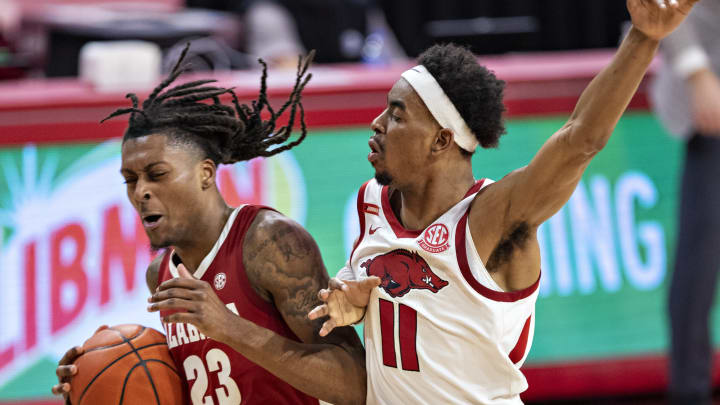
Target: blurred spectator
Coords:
[[9, 17], [272, 34], [420, 23], [46, 35], [10, 65], [686, 96], [280, 30], [335, 28]]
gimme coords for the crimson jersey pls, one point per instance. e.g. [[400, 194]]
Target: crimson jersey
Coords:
[[217, 374]]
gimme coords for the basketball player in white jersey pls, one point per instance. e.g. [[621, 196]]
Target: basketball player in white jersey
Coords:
[[446, 268]]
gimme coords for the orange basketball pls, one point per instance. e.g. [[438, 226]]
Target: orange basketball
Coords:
[[126, 364]]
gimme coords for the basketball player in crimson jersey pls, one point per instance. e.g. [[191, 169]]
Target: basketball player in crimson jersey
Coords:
[[446, 268], [235, 284]]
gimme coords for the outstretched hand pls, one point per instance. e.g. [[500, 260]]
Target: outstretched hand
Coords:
[[658, 18], [195, 303], [345, 302]]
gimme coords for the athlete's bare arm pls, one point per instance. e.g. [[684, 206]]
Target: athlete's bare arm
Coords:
[[283, 259], [284, 266], [504, 218]]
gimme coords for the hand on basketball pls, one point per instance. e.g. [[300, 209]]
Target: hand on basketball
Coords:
[[195, 301], [66, 370], [345, 302], [658, 18]]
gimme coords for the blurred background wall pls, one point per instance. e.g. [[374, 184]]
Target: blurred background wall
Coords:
[[45, 36]]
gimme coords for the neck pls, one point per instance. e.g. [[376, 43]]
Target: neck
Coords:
[[421, 204], [209, 224]]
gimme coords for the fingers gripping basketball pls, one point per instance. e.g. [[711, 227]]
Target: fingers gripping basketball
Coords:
[[126, 364]]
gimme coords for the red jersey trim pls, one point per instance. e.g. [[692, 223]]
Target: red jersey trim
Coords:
[[518, 352], [164, 271], [461, 254], [361, 216], [398, 229], [401, 231], [475, 188]]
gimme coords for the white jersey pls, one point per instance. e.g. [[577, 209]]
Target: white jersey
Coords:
[[438, 330]]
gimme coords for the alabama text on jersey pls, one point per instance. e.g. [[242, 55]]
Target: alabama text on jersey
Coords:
[[216, 374]]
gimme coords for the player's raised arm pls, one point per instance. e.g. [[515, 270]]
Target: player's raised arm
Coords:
[[284, 265], [535, 192]]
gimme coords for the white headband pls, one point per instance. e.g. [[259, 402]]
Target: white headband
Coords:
[[440, 106]]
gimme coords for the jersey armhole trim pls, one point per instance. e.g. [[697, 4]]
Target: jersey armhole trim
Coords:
[[361, 218], [164, 270], [461, 254], [518, 352]]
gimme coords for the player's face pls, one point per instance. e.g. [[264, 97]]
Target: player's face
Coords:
[[404, 133], [163, 185]]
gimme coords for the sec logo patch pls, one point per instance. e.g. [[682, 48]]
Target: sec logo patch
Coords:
[[219, 281], [435, 239]]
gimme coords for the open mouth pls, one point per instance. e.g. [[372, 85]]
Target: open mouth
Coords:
[[375, 150], [374, 145], [151, 221]]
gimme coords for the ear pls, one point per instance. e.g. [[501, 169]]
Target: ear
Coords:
[[208, 170], [443, 141]]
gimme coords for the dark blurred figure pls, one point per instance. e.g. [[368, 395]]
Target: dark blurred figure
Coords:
[[335, 28], [278, 30], [341, 32], [686, 96], [220, 5], [505, 26], [11, 66]]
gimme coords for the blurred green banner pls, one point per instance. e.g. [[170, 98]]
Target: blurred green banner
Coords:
[[72, 255]]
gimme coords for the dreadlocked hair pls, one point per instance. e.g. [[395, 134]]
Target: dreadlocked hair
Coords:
[[227, 134]]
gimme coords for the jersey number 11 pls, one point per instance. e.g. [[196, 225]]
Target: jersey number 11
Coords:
[[406, 334]]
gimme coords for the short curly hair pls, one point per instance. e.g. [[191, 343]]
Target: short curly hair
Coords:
[[473, 89]]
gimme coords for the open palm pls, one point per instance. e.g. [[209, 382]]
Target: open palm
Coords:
[[344, 302], [658, 18]]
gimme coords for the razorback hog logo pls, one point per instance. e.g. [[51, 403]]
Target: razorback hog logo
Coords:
[[401, 271]]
